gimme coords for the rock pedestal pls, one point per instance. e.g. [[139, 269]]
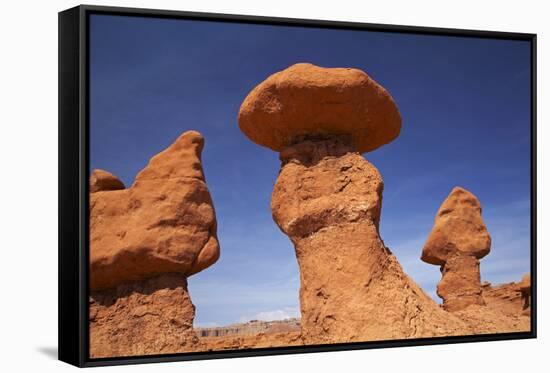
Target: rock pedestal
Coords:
[[328, 199], [305, 100], [164, 223], [152, 316], [460, 284], [458, 240], [101, 180]]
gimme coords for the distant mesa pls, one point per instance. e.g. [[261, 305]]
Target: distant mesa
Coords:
[[511, 299], [305, 100], [525, 284], [459, 238], [150, 316], [251, 328]]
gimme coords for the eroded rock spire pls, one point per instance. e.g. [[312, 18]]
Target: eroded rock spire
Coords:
[[458, 240], [144, 242]]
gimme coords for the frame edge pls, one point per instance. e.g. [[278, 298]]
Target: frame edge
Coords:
[[72, 204], [70, 296]]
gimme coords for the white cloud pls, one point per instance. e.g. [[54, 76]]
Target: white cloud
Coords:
[[280, 314], [206, 325]]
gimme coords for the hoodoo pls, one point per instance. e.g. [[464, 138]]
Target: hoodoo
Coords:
[[144, 243], [328, 198], [101, 180], [458, 240]]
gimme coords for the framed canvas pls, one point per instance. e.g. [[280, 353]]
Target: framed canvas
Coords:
[[234, 186]]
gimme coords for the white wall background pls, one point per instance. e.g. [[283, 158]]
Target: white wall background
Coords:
[[28, 183]]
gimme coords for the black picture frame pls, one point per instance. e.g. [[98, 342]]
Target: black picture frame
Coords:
[[74, 175]]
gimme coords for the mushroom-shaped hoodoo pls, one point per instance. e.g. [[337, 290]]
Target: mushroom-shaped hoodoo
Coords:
[[305, 100], [328, 199], [457, 241]]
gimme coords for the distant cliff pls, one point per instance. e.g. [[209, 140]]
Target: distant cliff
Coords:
[[250, 328]]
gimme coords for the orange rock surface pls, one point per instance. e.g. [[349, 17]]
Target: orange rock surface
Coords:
[[147, 239], [458, 240], [152, 316], [101, 180], [165, 222], [328, 199], [252, 327], [144, 243], [305, 99]]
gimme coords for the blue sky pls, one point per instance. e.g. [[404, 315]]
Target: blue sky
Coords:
[[465, 105]]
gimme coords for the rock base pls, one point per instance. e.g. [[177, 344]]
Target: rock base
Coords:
[[153, 316], [460, 285]]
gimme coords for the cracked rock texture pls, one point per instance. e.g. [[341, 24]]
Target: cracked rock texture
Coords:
[[153, 316], [327, 199], [458, 240], [507, 298], [147, 239], [502, 310]]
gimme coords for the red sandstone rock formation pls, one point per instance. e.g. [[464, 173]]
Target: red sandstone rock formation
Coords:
[[507, 298], [458, 240], [328, 198], [152, 316], [101, 180], [305, 100], [524, 288], [147, 239], [144, 242], [251, 328], [502, 311], [165, 222]]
